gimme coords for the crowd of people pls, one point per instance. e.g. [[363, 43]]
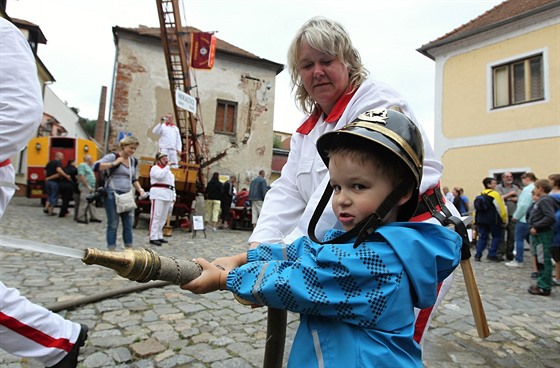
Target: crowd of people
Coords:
[[519, 215]]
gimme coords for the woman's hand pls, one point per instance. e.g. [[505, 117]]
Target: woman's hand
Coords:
[[209, 280], [119, 160], [229, 263]]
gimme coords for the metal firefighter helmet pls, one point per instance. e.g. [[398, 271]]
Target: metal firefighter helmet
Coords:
[[397, 136], [159, 155]]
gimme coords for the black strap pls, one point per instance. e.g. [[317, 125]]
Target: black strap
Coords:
[[318, 212], [108, 173], [366, 227], [161, 185], [446, 218]]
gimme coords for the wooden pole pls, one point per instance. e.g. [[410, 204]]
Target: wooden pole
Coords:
[[475, 300]]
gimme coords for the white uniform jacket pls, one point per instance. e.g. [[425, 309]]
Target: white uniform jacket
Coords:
[[169, 136], [162, 175], [289, 205], [21, 103]]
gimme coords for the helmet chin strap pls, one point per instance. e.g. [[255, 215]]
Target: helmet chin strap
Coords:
[[364, 228]]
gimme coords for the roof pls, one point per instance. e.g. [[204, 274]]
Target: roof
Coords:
[[32, 27], [221, 45], [504, 13]]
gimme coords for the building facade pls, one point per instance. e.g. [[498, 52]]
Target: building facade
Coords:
[[498, 94], [235, 98]]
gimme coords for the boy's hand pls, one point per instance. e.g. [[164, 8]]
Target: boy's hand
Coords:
[[208, 281]]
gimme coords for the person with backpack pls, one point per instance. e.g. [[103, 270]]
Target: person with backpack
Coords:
[[541, 224], [555, 247], [490, 217], [121, 177]]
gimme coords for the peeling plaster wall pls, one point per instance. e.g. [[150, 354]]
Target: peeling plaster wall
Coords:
[[141, 95]]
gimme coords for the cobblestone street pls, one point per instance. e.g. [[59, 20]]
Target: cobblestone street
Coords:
[[168, 327]]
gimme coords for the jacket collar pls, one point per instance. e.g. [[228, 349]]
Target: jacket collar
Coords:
[[333, 117]]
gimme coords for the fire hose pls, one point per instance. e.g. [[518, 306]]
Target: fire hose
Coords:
[[143, 265]]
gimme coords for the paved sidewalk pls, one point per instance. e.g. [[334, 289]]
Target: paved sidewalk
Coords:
[[169, 327]]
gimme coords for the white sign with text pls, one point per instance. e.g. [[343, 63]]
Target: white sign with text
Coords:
[[185, 101]]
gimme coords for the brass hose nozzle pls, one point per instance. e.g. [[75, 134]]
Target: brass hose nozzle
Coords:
[[143, 265]]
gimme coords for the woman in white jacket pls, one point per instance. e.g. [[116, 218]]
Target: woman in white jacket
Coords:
[[332, 88]]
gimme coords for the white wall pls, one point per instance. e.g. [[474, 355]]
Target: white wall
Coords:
[[60, 111]]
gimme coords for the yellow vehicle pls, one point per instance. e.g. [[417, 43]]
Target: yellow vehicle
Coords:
[[41, 150]]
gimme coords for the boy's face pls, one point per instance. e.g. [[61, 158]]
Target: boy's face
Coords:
[[358, 190], [537, 193]]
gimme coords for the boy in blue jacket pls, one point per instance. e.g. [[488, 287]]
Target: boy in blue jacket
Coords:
[[356, 290]]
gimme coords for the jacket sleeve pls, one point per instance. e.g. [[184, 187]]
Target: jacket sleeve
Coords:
[[319, 281], [110, 157], [277, 219], [157, 174], [500, 206], [523, 204], [157, 129], [178, 144], [21, 103], [547, 208]]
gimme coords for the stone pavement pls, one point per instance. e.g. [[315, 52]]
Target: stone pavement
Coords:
[[169, 327]]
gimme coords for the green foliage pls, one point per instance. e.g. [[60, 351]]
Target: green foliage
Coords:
[[89, 126], [277, 141]]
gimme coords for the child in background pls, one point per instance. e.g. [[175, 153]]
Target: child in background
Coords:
[[355, 291], [541, 222], [555, 247]]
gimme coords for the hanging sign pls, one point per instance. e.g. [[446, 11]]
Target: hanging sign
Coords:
[[203, 50], [185, 101]]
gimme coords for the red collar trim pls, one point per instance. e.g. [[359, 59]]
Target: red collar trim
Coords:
[[333, 117], [5, 163], [160, 165]]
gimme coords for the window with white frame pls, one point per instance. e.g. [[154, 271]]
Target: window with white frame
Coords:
[[518, 82]]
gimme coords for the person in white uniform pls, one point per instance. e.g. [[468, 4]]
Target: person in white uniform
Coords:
[[169, 139], [332, 87], [162, 196], [27, 330]]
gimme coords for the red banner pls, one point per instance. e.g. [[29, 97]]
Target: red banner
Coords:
[[203, 50]]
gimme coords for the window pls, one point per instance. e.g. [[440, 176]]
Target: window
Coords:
[[518, 82], [226, 114]]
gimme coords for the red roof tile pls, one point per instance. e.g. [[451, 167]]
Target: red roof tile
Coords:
[[505, 12]]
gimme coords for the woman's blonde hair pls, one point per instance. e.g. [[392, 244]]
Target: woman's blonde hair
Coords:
[[129, 141], [330, 37]]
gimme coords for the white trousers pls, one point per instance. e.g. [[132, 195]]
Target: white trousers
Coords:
[[28, 330], [158, 216]]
